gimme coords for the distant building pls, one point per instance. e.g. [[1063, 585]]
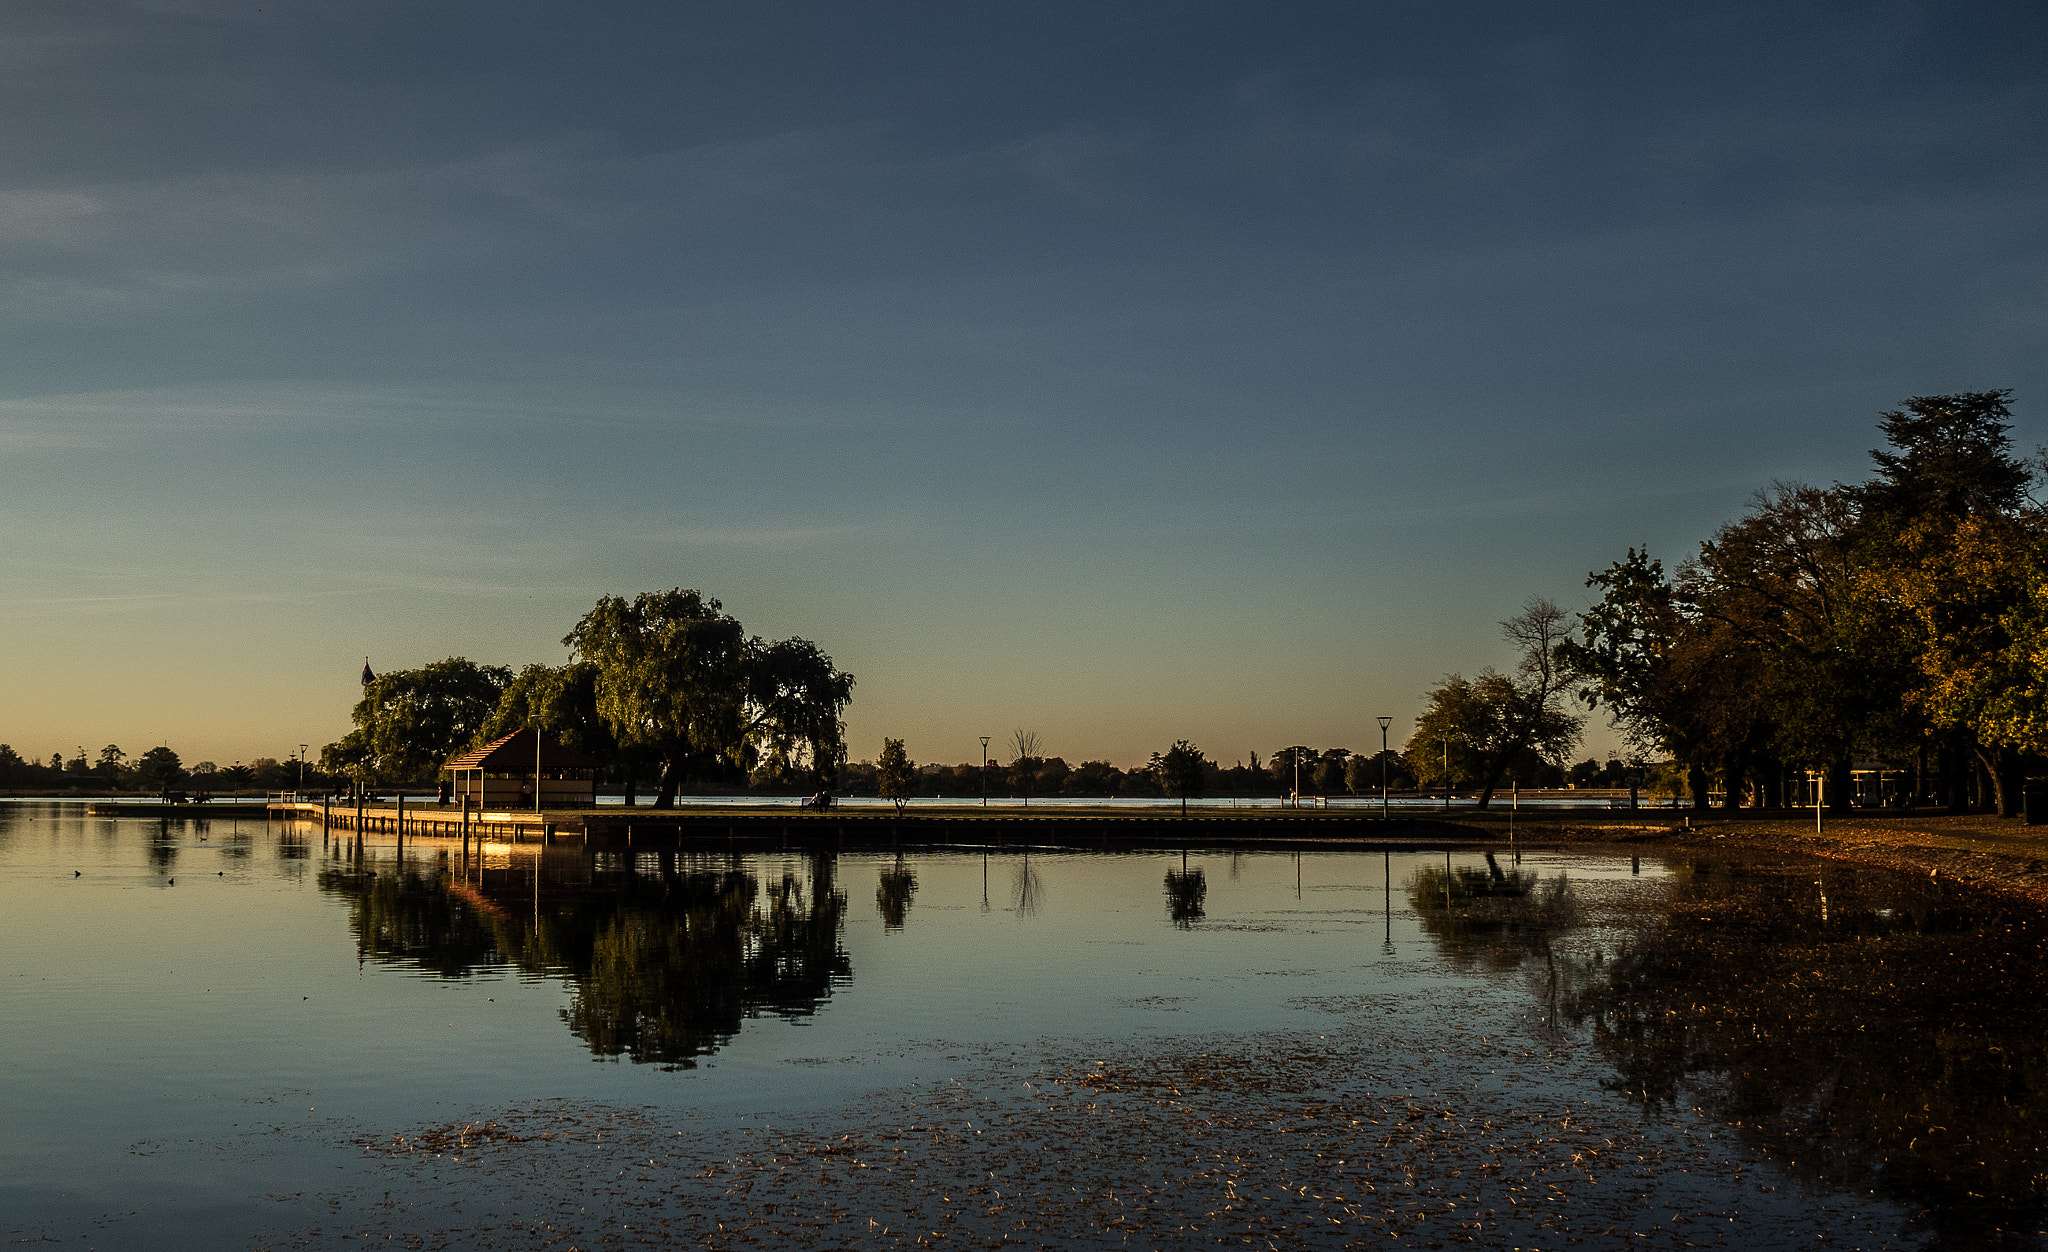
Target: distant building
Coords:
[[501, 775]]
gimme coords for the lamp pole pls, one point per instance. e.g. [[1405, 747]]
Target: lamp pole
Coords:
[[302, 767], [1384, 723], [984, 771], [1447, 774]]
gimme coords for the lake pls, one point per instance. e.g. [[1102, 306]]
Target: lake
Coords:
[[237, 1034]]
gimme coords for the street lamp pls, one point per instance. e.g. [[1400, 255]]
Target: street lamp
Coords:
[[1384, 723], [984, 771], [302, 767], [1447, 774]]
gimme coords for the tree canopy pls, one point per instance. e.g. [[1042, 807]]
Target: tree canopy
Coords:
[[1183, 771], [667, 683], [677, 677], [410, 721], [1895, 619], [895, 773], [1484, 724]]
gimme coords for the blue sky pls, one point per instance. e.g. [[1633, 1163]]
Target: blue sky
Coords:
[[1129, 372]]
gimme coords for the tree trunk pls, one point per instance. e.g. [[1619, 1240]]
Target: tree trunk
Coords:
[[2002, 770], [1696, 782], [1734, 778], [1955, 783], [671, 774], [1494, 773], [1765, 779], [1841, 788]]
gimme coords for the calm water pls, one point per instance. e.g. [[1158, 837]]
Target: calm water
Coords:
[[215, 1030]]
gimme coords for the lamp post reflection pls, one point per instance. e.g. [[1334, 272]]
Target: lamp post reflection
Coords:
[[1387, 871]]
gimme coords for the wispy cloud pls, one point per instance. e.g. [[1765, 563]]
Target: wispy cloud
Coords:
[[118, 417], [84, 251]]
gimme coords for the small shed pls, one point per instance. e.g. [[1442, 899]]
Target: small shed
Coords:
[[501, 775]]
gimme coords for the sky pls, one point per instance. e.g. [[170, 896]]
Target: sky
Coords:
[[1124, 372]]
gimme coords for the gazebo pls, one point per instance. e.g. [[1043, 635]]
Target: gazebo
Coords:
[[501, 775]]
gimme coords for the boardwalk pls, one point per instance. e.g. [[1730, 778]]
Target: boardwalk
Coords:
[[866, 827]]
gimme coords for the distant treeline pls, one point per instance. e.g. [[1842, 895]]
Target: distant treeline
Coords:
[[111, 769], [1324, 772]]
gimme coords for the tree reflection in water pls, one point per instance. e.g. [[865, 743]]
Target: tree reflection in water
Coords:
[[893, 892], [1865, 1031], [1186, 889], [665, 967], [1027, 891], [163, 846], [1499, 919]]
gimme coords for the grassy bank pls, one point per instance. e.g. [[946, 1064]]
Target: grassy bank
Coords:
[[2001, 855]]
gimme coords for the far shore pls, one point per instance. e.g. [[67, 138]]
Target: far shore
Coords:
[[2004, 856]]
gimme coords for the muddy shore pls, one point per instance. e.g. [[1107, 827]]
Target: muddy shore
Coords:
[[1999, 855]]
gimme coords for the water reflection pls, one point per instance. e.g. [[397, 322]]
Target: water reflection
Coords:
[[163, 846], [1491, 917], [1867, 1032], [1027, 890], [893, 892], [664, 966], [1185, 891]]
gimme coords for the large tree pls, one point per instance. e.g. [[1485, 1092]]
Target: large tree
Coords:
[[1950, 458], [410, 721], [1831, 624], [1787, 586], [678, 677], [1183, 771], [1491, 720], [1952, 542], [1672, 679], [895, 774], [160, 767]]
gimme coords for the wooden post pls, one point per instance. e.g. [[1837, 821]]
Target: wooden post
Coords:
[[465, 824], [400, 825]]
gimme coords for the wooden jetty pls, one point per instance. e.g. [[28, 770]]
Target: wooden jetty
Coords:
[[156, 808], [710, 824]]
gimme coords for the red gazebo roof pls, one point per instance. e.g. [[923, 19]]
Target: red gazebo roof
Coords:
[[514, 755]]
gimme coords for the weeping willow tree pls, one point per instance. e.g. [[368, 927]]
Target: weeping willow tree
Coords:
[[678, 678]]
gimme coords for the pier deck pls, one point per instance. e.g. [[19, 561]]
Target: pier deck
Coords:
[[153, 808], [966, 825]]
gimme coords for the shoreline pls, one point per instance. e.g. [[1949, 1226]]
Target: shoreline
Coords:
[[2000, 856]]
